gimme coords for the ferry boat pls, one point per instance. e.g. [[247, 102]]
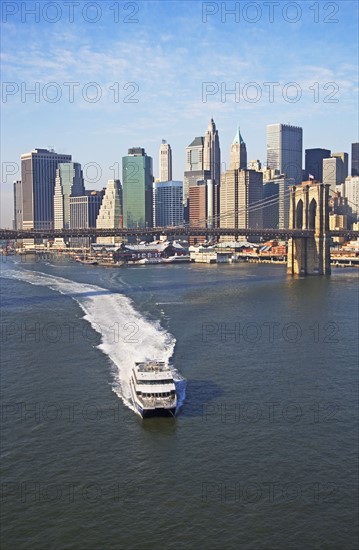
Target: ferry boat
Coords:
[[153, 389], [177, 259]]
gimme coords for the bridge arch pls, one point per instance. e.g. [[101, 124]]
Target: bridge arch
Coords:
[[309, 254], [299, 214], [312, 214]]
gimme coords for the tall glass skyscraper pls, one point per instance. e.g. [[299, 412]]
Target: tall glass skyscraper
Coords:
[[137, 180], [285, 150], [38, 174], [69, 182]]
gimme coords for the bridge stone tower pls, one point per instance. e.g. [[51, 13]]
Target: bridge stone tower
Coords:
[[309, 210]]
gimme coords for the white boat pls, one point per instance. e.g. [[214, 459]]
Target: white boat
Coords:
[[145, 261], [177, 259], [153, 389]]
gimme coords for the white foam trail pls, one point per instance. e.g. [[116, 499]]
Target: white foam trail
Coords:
[[126, 336]]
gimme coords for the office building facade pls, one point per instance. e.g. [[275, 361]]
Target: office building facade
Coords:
[[276, 202], [212, 153], [344, 157], [241, 193], [333, 172], [110, 215], [285, 150], [165, 161], [314, 163], [137, 180], [68, 182], [38, 174], [84, 209], [17, 223], [352, 194], [355, 159], [167, 203]]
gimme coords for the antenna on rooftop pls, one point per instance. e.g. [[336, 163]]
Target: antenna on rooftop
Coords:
[[51, 148]]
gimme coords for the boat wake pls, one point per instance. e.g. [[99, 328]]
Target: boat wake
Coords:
[[126, 335]]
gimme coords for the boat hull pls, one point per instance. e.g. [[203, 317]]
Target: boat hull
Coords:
[[153, 411], [156, 413]]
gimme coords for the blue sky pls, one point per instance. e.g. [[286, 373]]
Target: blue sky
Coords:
[[162, 54]]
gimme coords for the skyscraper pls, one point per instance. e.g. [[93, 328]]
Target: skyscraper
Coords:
[[314, 163], [240, 194], [352, 194], [110, 213], [165, 161], [83, 214], [355, 159], [68, 182], [212, 153], [238, 153], [276, 202], [334, 171], [137, 178], [84, 209], [285, 150], [194, 166], [17, 205], [38, 173], [167, 203], [344, 166]]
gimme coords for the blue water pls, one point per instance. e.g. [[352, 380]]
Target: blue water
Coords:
[[263, 451]]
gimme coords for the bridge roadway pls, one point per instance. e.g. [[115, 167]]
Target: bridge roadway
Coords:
[[10, 234]]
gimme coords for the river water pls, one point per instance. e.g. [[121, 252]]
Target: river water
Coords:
[[263, 451]]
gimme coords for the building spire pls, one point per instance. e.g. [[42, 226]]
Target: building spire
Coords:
[[238, 138]]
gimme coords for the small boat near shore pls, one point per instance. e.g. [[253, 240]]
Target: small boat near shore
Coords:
[[87, 261]]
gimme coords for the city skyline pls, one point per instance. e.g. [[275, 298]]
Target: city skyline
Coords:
[[156, 89], [196, 155]]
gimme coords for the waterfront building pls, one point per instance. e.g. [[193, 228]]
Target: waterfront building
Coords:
[[165, 161], [314, 163], [238, 153], [167, 203], [68, 182], [285, 150], [137, 178], [38, 174]]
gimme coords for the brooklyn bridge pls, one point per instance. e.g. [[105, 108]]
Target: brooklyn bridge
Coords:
[[308, 234]]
